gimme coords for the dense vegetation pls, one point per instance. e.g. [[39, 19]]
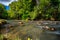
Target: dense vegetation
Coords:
[[3, 12], [32, 9]]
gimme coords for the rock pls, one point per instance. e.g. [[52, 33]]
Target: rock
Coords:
[[46, 27], [39, 23], [20, 22], [10, 27], [2, 21], [52, 29], [5, 38]]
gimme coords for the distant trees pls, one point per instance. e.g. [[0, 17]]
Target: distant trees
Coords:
[[3, 12], [48, 9], [58, 14], [34, 10], [22, 9]]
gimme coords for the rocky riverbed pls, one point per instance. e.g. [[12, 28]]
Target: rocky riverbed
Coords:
[[30, 30]]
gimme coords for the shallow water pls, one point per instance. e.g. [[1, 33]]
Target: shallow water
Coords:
[[30, 29]]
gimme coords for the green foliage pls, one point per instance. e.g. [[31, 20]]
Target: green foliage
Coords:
[[58, 14], [3, 12], [21, 9], [34, 9], [1, 37], [34, 13], [48, 9], [11, 15]]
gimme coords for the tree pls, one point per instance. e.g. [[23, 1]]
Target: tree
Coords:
[[3, 12], [34, 9], [48, 9], [58, 14], [21, 8]]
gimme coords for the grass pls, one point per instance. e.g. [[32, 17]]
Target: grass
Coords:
[[1, 37]]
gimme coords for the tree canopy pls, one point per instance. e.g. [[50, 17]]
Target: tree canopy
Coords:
[[34, 10], [3, 12]]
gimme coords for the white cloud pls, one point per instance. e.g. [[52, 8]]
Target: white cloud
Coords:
[[6, 2]]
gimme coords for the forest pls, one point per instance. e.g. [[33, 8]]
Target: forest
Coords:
[[32, 10]]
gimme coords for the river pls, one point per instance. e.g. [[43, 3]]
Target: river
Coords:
[[31, 29]]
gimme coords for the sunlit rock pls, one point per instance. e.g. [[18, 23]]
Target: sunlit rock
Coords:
[[20, 22], [39, 23], [2, 21]]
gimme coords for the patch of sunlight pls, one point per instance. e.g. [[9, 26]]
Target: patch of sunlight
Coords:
[[29, 39]]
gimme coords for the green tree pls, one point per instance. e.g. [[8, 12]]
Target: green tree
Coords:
[[3, 12], [48, 9], [34, 9], [21, 8], [58, 14]]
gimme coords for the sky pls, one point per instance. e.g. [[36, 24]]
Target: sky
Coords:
[[6, 2]]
